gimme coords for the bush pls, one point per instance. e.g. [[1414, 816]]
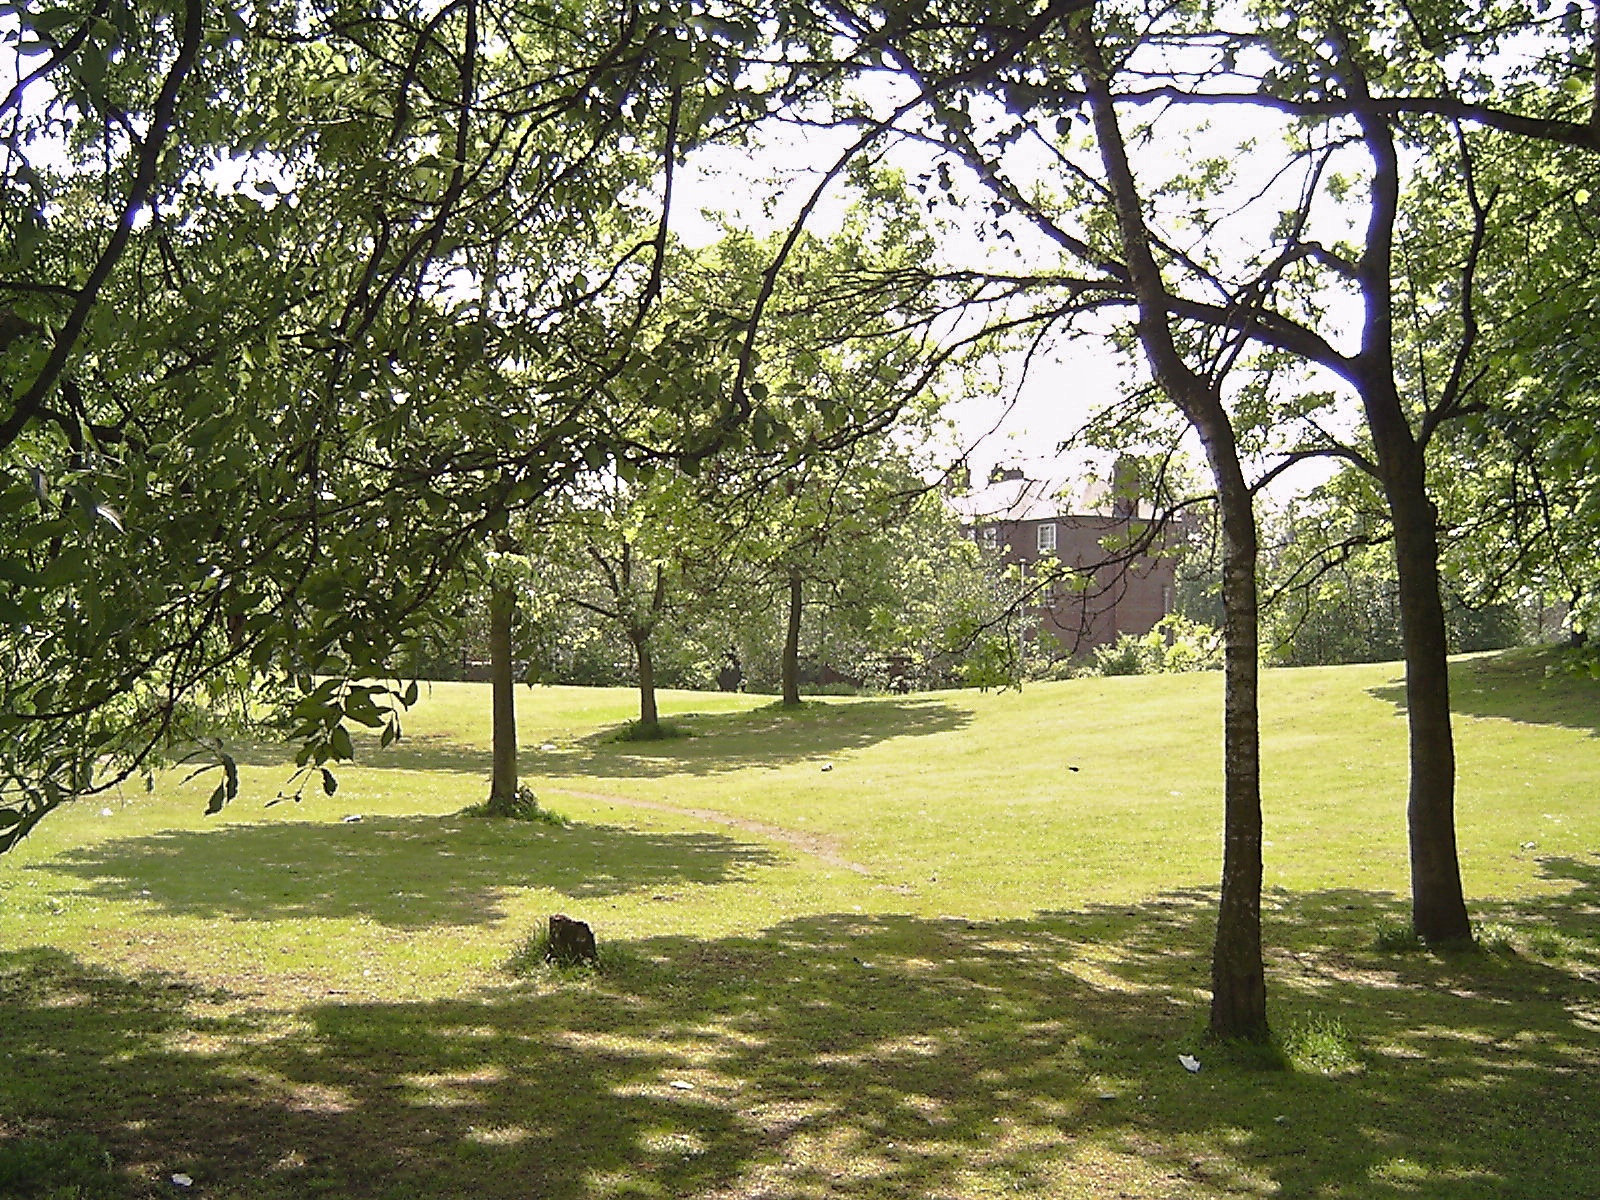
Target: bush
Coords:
[[1176, 644]]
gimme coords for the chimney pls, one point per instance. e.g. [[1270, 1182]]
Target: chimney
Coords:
[[1126, 484]]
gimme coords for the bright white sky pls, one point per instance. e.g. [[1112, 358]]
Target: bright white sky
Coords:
[[1022, 426]]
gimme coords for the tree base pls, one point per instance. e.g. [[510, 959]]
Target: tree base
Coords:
[[570, 943]]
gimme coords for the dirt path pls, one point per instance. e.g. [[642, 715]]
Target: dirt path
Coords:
[[818, 846]]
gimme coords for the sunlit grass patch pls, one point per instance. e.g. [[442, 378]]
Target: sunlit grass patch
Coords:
[[1321, 1043], [880, 947]]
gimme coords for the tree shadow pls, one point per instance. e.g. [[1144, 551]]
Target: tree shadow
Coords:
[[848, 1055], [407, 872], [769, 736], [1526, 685]]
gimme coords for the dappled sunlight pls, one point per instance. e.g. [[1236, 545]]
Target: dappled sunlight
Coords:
[[840, 1055]]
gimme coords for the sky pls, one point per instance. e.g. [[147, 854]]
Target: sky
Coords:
[[1024, 426], [1020, 426]]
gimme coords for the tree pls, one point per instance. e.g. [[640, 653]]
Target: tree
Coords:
[[1047, 64], [268, 374], [845, 341], [621, 549], [503, 781], [1238, 977], [1402, 83], [1263, 306], [1516, 478]]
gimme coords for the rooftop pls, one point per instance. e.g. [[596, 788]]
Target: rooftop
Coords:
[[1017, 498]]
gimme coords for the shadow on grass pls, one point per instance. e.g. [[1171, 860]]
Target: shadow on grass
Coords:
[[1529, 685], [769, 736], [850, 1055], [401, 871]]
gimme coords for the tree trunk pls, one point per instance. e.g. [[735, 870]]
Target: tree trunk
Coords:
[[502, 684], [649, 718], [1238, 977], [1438, 906], [791, 644], [1438, 909]]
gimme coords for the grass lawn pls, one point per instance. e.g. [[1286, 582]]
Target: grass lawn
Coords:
[[945, 945]]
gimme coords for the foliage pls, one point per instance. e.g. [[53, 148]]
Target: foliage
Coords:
[[1395, 937], [1174, 644], [293, 309], [1334, 594], [1323, 1044]]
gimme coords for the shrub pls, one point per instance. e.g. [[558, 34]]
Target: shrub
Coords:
[[1176, 644]]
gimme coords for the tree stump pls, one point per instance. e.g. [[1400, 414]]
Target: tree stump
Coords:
[[570, 944]]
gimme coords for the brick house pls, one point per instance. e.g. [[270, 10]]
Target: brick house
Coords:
[[1099, 536]]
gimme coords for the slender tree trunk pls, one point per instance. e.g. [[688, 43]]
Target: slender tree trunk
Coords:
[[1238, 975], [1438, 909], [791, 643], [649, 718], [1438, 906], [502, 683]]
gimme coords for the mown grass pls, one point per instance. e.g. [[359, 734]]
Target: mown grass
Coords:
[[889, 948]]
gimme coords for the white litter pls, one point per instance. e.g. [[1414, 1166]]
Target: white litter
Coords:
[[105, 812], [683, 1085], [1190, 1063], [827, 766], [351, 819], [181, 1180]]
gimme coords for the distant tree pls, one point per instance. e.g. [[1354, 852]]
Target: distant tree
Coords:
[[621, 550]]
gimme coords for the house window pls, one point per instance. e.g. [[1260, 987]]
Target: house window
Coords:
[[1047, 538], [991, 537]]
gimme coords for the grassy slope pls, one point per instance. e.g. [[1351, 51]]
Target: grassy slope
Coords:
[[947, 964]]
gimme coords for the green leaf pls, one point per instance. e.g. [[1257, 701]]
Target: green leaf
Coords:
[[339, 743], [330, 785], [219, 799]]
